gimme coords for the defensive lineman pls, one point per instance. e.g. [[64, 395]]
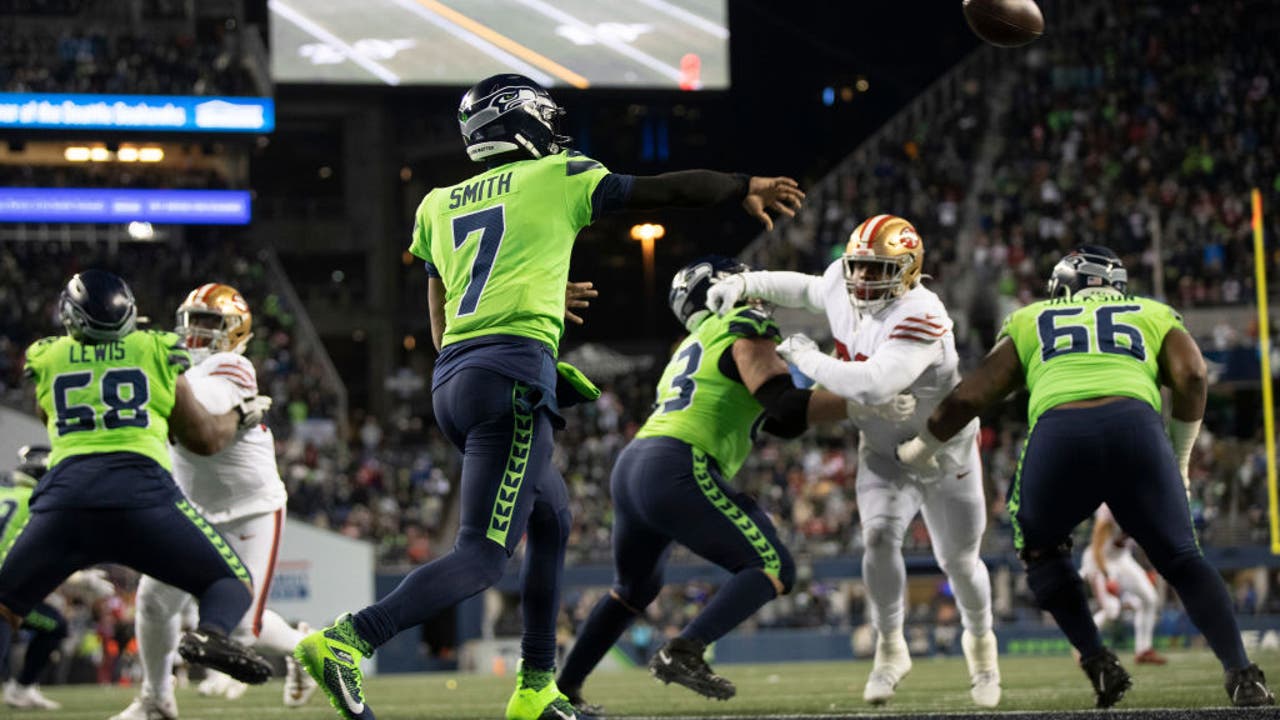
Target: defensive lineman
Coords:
[[893, 336], [238, 490], [110, 396], [671, 483], [1093, 358], [1117, 580], [497, 248]]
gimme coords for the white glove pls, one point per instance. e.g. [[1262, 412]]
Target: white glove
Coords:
[[253, 410], [796, 345], [92, 582], [725, 293], [918, 453]]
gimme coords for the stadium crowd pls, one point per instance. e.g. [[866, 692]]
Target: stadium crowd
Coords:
[[95, 46]]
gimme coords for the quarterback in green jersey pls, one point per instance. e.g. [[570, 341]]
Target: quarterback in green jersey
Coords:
[[111, 395], [724, 383], [1093, 358], [497, 249]]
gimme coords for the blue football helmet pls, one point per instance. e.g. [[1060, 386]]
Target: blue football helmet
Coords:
[[688, 296], [97, 307], [508, 113], [1085, 269]]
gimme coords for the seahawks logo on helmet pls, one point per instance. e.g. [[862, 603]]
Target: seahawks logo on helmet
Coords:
[[1087, 270], [510, 113]]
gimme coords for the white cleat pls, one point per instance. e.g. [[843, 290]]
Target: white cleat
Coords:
[[981, 654], [893, 662], [221, 685], [27, 697], [298, 685], [145, 707]]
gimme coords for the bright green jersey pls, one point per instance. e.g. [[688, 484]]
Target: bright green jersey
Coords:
[[110, 397], [1099, 345], [701, 405], [13, 515], [500, 243]]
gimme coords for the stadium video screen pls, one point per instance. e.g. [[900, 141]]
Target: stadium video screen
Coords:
[[673, 44]]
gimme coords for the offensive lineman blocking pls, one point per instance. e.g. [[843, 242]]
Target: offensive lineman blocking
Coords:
[[497, 248], [238, 491], [1094, 358], [893, 336]]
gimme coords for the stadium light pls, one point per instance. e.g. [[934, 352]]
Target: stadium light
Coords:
[[141, 230], [127, 154], [76, 154], [647, 233], [99, 154], [150, 154]]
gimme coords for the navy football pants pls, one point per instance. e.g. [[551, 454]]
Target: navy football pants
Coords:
[[1118, 454], [509, 487]]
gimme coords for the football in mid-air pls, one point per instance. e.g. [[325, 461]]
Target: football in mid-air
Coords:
[[1005, 23]]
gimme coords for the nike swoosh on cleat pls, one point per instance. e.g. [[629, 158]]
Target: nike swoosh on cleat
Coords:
[[664, 657], [198, 636], [562, 715], [343, 655], [354, 707]]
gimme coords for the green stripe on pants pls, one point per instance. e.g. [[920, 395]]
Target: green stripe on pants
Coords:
[[711, 490], [1015, 497], [36, 621], [504, 504], [228, 555]]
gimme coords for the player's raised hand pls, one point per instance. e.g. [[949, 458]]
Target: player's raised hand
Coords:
[[780, 194], [725, 293], [577, 296]]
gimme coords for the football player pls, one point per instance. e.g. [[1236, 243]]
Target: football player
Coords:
[[1093, 358], [671, 483], [895, 356], [497, 249], [110, 396], [239, 491], [1117, 580]]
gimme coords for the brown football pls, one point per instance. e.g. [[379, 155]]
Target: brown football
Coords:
[[1005, 23]]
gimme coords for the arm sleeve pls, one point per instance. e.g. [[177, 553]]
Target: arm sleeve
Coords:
[[686, 188], [785, 288], [890, 371]]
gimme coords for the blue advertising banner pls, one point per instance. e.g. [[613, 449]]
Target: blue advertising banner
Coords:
[[81, 205], [175, 113]]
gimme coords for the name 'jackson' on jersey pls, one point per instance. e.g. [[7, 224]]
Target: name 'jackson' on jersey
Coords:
[[109, 397], [500, 243], [701, 399], [1098, 345]]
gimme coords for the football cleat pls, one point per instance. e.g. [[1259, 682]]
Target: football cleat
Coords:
[[892, 663], [219, 652], [1109, 678], [27, 697], [536, 697], [298, 685], [332, 658], [221, 685], [1247, 687], [580, 703], [1149, 657], [981, 655], [680, 661], [145, 707]]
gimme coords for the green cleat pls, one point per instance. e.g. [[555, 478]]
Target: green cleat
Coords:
[[537, 698], [332, 657]]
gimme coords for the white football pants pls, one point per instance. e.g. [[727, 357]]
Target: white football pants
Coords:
[[955, 514], [256, 539], [1136, 591]]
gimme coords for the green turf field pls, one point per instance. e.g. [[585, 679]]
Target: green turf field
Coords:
[[1190, 680]]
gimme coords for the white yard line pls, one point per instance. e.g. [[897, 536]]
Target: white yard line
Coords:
[[693, 19], [617, 46], [314, 29]]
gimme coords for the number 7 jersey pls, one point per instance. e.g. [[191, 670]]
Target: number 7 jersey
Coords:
[[109, 397], [500, 243], [1103, 344]]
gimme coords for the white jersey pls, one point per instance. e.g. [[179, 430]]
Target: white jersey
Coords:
[[911, 342], [1118, 543], [242, 480]]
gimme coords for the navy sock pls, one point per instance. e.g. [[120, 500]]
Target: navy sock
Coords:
[[1058, 591], [737, 600], [475, 564], [1205, 597], [223, 604], [39, 650], [606, 623], [547, 534], [6, 637]]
